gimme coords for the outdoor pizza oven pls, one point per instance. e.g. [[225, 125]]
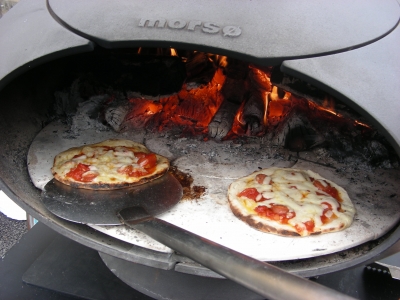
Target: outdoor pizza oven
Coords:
[[58, 54]]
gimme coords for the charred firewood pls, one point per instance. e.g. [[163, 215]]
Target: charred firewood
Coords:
[[301, 138], [132, 114], [259, 79], [297, 86], [199, 70], [253, 112], [236, 69], [234, 90], [235, 85], [296, 133], [219, 60], [196, 64], [197, 107], [305, 90], [222, 121], [115, 115], [255, 108]]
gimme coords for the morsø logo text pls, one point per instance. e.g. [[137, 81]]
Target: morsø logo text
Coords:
[[206, 27]]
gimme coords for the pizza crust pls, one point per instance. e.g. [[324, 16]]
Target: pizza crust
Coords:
[[106, 181], [305, 208]]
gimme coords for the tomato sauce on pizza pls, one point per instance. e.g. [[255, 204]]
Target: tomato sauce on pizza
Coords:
[[107, 165], [291, 202]]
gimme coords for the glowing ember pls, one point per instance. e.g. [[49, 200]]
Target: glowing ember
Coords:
[[142, 111], [213, 79]]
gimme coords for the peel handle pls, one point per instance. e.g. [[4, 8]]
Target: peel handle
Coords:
[[260, 277]]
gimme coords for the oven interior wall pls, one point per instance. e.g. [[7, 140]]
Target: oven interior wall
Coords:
[[27, 106]]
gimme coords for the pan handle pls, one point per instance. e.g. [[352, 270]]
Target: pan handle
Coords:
[[260, 277]]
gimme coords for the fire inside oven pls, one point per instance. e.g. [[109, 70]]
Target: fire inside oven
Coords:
[[218, 119], [210, 96]]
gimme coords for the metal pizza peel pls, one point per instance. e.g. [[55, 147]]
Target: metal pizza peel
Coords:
[[101, 207], [138, 207]]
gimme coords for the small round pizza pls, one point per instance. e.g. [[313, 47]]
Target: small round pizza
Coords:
[[291, 202], [111, 164]]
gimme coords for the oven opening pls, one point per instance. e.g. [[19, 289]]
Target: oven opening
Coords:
[[201, 96]]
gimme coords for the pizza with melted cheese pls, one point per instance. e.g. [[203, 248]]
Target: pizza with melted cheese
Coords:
[[291, 202], [111, 164]]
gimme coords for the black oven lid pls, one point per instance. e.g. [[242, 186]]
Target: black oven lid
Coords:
[[266, 31]]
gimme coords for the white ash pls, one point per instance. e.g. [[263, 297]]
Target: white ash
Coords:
[[87, 115], [159, 146], [115, 115]]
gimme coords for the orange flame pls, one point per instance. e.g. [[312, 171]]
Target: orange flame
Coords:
[[142, 111], [195, 108]]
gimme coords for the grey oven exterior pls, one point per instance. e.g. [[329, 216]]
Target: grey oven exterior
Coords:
[[347, 48]]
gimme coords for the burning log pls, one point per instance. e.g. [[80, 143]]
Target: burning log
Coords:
[[143, 111], [234, 90], [253, 117], [192, 108], [222, 122], [260, 79], [301, 138], [253, 113], [197, 107], [210, 80], [279, 105], [297, 86], [199, 70], [305, 90], [115, 116], [296, 133], [235, 86], [132, 115]]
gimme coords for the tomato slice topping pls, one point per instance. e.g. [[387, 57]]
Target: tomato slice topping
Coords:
[[250, 193], [132, 172], [146, 160], [262, 210], [88, 177], [326, 216], [260, 178], [327, 188], [309, 227], [276, 212], [280, 209], [77, 172]]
